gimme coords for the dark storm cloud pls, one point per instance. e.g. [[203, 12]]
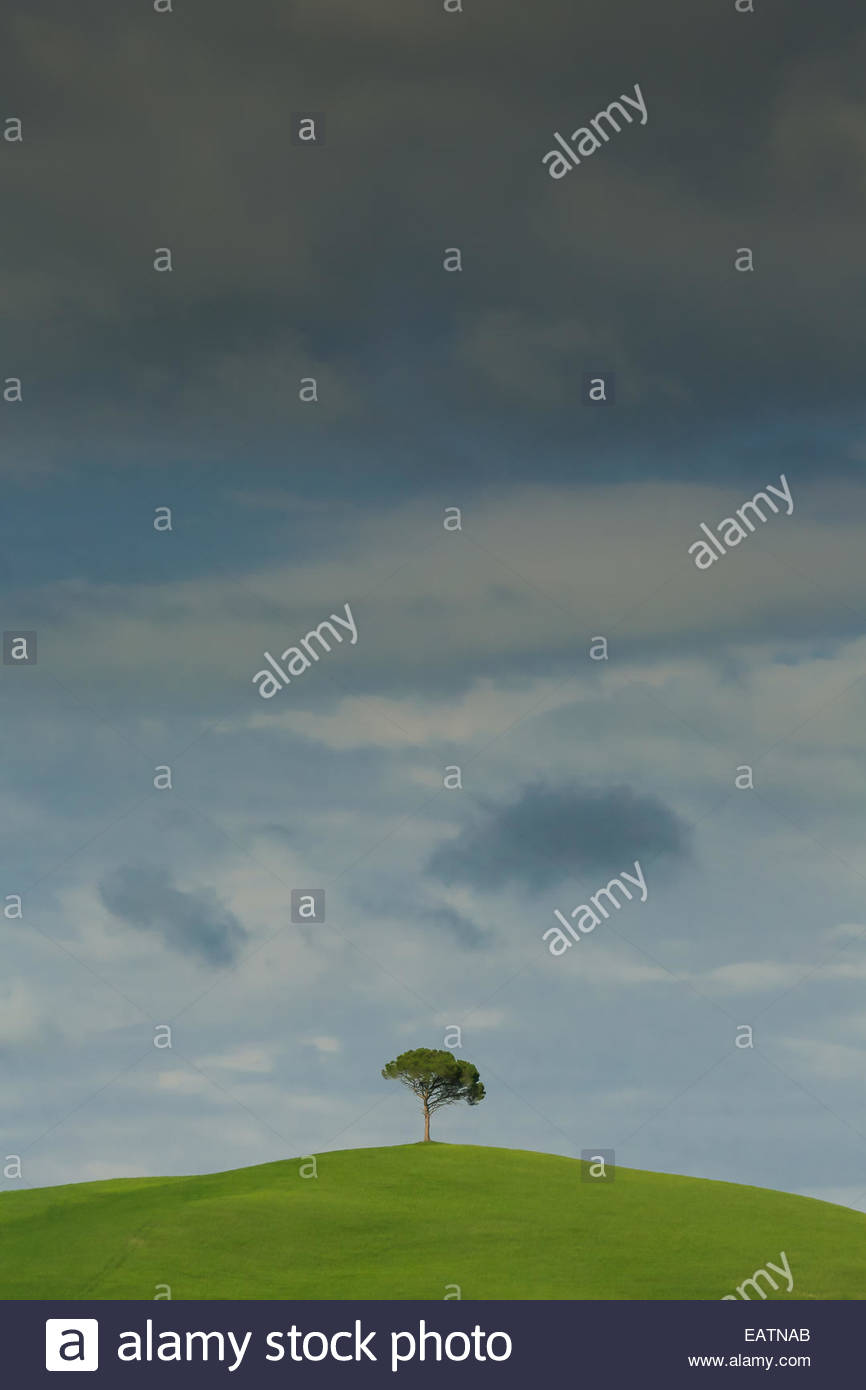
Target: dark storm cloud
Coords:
[[194, 924], [553, 833], [146, 130]]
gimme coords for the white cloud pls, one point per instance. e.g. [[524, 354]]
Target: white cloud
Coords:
[[846, 931], [829, 1060], [240, 1059], [323, 1044], [394, 722], [481, 1019], [21, 1016], [601, 966], [750, 976], [183, 1082]]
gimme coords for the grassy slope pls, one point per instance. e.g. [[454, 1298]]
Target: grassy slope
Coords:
[[405, 1222]]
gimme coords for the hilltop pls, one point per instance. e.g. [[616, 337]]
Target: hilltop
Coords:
[[412, 1222]]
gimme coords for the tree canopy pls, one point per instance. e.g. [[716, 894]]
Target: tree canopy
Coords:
[[436, 1078]]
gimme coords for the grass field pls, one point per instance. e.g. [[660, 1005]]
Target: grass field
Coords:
[[406, 1222]]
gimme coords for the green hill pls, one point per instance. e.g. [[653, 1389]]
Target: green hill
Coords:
[[409, 1221]]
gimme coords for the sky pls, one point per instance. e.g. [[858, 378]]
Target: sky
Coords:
[[545, 689]]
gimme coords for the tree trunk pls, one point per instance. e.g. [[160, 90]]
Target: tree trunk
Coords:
[[426, 1123]]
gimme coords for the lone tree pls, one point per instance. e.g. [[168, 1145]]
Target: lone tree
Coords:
[[436, 1078]]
